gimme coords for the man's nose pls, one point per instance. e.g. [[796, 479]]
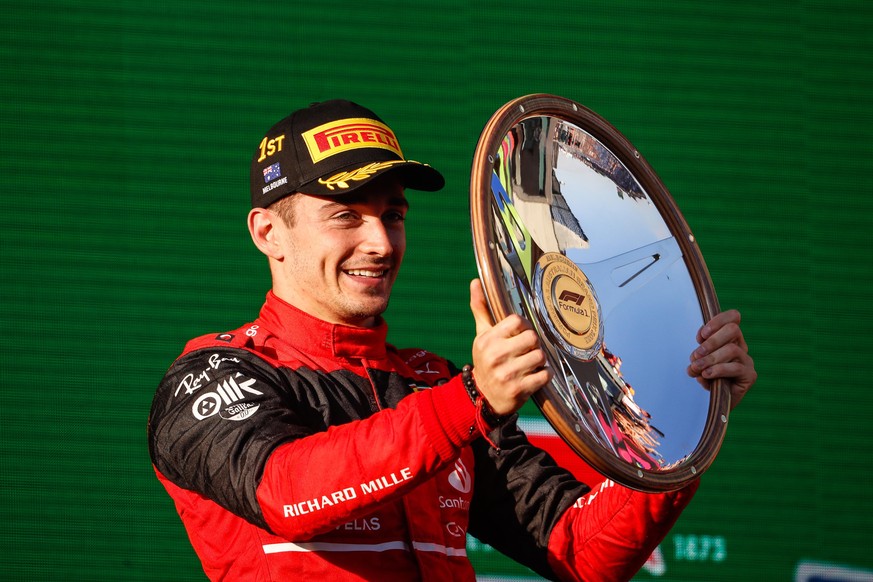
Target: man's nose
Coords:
[[377, 240]]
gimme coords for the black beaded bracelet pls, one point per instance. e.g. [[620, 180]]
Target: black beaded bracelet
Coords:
[[470, 382], [478, 400]]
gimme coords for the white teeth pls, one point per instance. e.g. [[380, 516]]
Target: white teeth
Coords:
[[363, 273]]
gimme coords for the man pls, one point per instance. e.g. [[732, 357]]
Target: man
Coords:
[[302, 446]]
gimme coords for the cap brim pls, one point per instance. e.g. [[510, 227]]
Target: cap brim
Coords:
[[412, 175]]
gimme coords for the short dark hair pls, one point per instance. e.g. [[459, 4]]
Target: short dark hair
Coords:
[[284, 207]]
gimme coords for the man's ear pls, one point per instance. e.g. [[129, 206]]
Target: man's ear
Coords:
[[264, 227]]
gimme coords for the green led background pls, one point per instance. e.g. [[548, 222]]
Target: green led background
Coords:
[[127, 128]]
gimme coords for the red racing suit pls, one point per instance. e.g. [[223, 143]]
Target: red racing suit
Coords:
[[295, 449]]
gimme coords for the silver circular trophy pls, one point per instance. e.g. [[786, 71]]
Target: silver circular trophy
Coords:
[[574, 231]]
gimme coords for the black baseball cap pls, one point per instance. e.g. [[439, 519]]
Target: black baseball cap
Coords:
[[331, 148]]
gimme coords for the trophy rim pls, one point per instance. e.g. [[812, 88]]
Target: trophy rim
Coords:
[[548, 402]]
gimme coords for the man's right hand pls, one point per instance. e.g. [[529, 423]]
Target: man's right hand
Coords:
[[508, 362]]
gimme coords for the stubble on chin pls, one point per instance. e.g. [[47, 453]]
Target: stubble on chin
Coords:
[[367, 309]]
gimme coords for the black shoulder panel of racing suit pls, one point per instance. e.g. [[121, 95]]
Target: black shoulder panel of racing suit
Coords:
[[220, 412], [213, 419], [519, 495]]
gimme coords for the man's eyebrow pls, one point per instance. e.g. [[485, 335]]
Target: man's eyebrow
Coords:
[[399, 201], [351, 199]]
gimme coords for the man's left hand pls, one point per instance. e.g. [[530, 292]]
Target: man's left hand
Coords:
[[723, 353]]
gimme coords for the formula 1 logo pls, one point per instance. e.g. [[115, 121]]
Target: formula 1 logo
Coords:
[[227, 400], [460, 478], [570, 297]]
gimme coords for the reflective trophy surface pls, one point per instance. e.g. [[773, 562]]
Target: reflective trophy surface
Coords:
[[576, 233]]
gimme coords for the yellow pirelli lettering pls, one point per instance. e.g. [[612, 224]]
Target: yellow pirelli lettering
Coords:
[[347, 134]]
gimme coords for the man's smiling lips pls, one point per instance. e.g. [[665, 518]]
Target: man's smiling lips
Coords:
[[366, 273], [373, 276]]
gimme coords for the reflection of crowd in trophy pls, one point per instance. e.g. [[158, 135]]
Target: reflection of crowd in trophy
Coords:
[[585, 148], [631, 419], [526, 168]]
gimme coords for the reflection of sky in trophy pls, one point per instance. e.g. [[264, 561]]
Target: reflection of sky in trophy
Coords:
[[656, 367], [633, 262], [594, 199]]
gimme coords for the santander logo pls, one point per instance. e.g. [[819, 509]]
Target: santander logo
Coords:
[[460, 478]]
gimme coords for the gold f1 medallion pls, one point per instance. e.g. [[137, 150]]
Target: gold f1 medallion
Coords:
[[570, 304]]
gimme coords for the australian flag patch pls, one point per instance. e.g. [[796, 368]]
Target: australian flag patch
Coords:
[[272, 172]]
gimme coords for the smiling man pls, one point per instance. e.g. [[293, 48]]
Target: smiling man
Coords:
[[348, 246], [302, 446]]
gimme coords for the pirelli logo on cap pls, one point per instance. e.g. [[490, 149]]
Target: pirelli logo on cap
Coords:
[[348, 134]]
